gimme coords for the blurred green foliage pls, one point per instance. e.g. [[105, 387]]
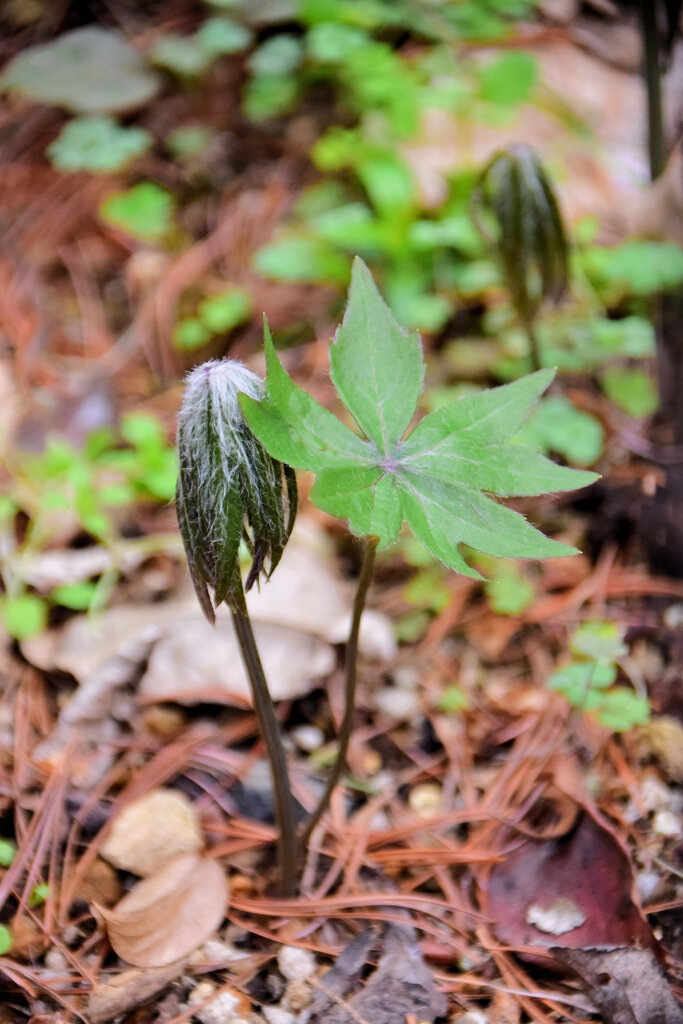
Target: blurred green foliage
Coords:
[[66, 491], [588, 680]]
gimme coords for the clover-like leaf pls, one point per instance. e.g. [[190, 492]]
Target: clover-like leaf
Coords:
[[97, 144], [443, 478]]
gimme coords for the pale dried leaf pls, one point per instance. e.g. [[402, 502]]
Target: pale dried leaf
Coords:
[[200, 663], [128, 989], [48, 569], [304, 608], [169, 914], [151, 830], [626, 985]]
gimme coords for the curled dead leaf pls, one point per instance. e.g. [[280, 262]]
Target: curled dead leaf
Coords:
[[167, 915], [151, 831]]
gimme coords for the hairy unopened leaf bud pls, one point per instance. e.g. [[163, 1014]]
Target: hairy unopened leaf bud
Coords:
[[229, 487], [531, 239]]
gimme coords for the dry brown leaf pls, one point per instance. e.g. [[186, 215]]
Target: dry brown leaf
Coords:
[[167, 915], [129, 989], [100, 884], [151, 830], [626, 985], [662, 738], [29, 941], [196, 663]]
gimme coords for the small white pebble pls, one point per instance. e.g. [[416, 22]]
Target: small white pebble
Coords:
[[298, 995], [276, 1015], [55, 960], [405, 676], [295, 963], [654, 793], [202, 991], [221, 1009], [647, 882], [397, 703], [666, 823], [673, 616], [308, 737], [71, 934], [471, 1017], [426, 800], [216, 952]]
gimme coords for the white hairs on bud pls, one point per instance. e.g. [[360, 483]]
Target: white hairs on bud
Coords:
[[216, 384], [224, 471]]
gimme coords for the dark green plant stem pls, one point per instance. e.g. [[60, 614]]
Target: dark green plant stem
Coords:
[[534, 347], [350, 673], [270, 731], [653, 83]]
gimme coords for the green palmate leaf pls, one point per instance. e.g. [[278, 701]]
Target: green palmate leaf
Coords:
[[441, 478], [376, 368]]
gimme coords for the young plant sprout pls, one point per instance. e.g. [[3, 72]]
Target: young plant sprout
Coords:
[[230, 489], [237, 440], [530, 237]]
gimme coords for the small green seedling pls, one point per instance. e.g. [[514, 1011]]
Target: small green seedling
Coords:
[[217, 315], [39, 894], [97, 144], [238, 439], [587, 681], [6, 941], [144, 211], [188, 57], [8, 850], [67, 490]]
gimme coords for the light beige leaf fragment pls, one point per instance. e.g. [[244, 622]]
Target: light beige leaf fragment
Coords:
[[169, 914], [151, 830], [128, 989]]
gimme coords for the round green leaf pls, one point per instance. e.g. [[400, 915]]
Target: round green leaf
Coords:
[[39, 894], [270, 96], [279, 55], [87, 70], [144, 211], [180, 54], [302, 259], [190, 334], [77, 596], [5, 940], [631, 389], [221, 36], [8, 850], [598, 640], [220, 313], [557, 426], [621, 709], [185, 143], [97, 144], [23, 616]]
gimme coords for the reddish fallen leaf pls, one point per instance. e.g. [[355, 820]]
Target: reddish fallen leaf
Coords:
[[582, 879], [167, 915]]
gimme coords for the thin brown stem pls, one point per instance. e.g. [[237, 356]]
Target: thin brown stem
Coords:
[[270, 731], [350, 674]]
